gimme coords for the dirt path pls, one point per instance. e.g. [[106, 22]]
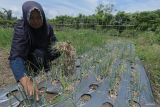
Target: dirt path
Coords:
[[6, 76]]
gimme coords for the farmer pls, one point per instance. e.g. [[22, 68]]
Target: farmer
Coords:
[[30, 49]]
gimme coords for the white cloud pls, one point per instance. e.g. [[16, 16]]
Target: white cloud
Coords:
[[142, 5], [67, 8], [53, 8], [16, 11], [92, 2]]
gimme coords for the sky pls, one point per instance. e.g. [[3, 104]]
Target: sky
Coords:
[[53, 8]]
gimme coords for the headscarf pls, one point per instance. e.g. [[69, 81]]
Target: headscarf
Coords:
[[37, 35], [26, 38], [28, 7]]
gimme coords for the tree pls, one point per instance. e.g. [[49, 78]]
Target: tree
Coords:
[[103, 13], [6, 14], [122, 18], [102, 9], [2, 15]]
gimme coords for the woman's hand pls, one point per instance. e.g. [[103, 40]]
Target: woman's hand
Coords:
[[27, 84]]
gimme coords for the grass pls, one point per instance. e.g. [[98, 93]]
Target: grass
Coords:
[[82, 40], [5, 38], [149, 52], [147, 47]]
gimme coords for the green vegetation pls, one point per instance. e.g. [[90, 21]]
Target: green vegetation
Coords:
[[141, 21], [82, 40], [102, 18], [148, 49], [147, 46], [5, 38], [86, 32]]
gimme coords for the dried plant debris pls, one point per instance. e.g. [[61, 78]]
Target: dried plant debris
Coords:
[[69, 89], [68, 56], [55, 81], [136, 93]]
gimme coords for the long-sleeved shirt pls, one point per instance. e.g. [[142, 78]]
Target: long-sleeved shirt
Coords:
[[18, 68]]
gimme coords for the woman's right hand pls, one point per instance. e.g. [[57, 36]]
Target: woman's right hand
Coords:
[[27, 84]]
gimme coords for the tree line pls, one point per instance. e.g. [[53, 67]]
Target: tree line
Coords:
[[102, 18]]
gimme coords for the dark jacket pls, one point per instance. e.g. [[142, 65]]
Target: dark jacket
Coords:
[[23, 44], [27, 39]]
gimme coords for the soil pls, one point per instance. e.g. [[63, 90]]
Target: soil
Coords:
[[113, 94], [134, 104], [93, 86], [85, 98], [107, 104], [6, 76], [49, 96]]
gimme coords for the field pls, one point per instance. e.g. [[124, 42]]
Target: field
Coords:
[[147, 48]]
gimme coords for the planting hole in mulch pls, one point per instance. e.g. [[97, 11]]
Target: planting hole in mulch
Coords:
[[48, 96], [85, 98], [133, 103], [78, 66], [78, 81], [13, 93], [135, 93], [100, 78], [113, 94], [93, 86], [55, 81], [106, 104], [71, 87], [132, 66]]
